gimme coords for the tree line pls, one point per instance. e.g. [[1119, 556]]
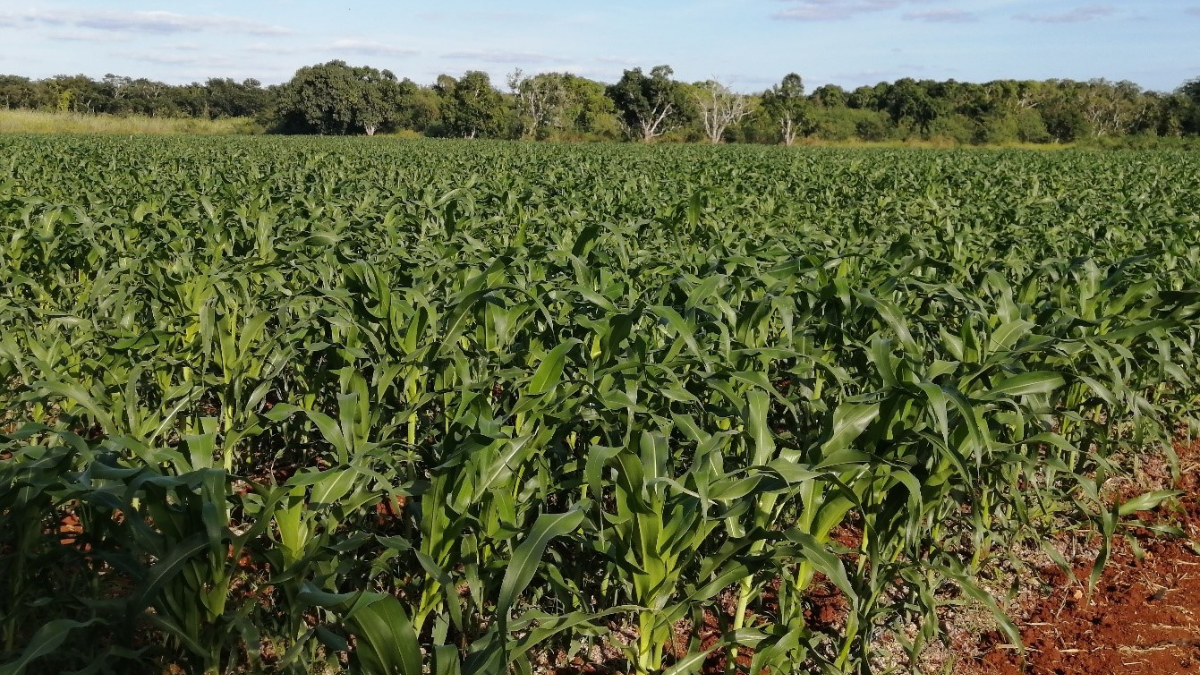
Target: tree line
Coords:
[[336, 98]]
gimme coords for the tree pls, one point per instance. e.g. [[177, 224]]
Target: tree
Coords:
[[227, 98], [149, 97], [649, 106], [117, 87], [1062, 112], [719, 107], [868, 97], [908, 100], [192, 100], [1189, 115], [377, 100], [589, 109], [551, 103], [336, 98], [418, 108], [829, 96], [77, 93], [541, 101], [786, 105], [17, 92], [473, 107], [1191, 89], [1110, 108]]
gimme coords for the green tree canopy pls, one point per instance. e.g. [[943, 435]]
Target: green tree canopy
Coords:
[[336, 98], [1189, 119], [649, 105], [472, 107], [829, 96], [786, 105], [909, 100]]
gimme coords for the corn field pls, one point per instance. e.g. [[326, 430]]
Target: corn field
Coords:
[[315, 406]]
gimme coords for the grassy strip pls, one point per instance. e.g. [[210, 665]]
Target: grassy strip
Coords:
[[39, 122]]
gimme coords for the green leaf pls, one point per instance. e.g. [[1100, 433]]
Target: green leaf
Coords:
[[679, 325], [387, 643], [759, 404], [850, 420], [1008, 334], [1027, 384], [550, 371], [528, 555], [692, 662], [166, 569], [44, 642], [1146, 502]]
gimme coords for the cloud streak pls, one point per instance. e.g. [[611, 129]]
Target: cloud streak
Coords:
[[475, 16], [615, 61], [180, 59], [942, 16], [367, 48], [85, 36], [504, 57], [835, 10], [1077, 15], [344, 46], [161, 23]]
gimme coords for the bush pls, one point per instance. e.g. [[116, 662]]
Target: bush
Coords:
[[871, 129]]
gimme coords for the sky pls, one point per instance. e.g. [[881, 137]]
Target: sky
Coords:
[[749, 44]]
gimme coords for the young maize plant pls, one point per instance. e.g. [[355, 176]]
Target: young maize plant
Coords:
[[317, 405]]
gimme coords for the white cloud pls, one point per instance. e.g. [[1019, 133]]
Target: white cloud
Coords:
[[504, 57], [143, 22], [344, 46], [475, 16], [261, 48], [614, 61], [85, 36], [368, 48], [171, 59], [868, 76], [832, 10], [942, 16], [1077, 15]]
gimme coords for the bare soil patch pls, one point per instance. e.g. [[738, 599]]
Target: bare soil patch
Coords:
[[1143, 617]]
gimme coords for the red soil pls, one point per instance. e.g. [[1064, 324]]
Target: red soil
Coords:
[[1142, 619]]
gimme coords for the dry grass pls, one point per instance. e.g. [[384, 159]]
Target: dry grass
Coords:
[[39, 122]]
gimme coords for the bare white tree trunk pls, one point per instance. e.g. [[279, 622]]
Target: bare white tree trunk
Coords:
[[540, 101], [720, 107], [788, 129], [528, 103], [653, 125], [1103, 115]]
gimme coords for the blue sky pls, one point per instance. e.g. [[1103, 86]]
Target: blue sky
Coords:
[[751, 43]]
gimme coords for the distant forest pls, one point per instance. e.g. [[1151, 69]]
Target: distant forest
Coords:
[[339, 99]]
